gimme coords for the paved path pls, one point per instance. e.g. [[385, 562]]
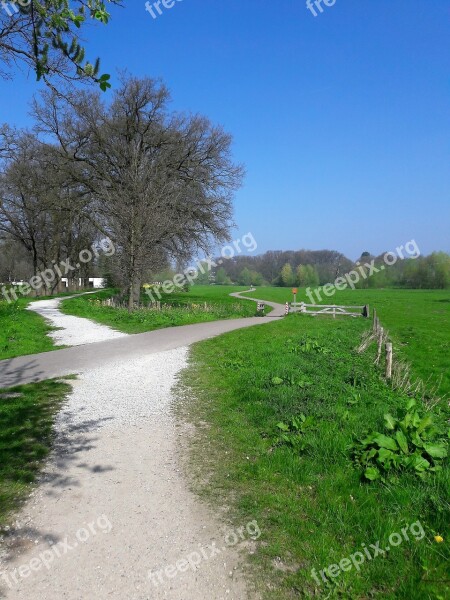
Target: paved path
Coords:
[[278, 310], [38, 367], [113, 516]]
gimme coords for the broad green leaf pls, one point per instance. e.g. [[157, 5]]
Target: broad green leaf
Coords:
[[384, 441], [277, 380], [415, 438], [420, 463], [390, 421], [308, 422], [425, 423], [402, 441], [385, 456], [407, 420], [436, 468], [411, 404], [283, 426], [416, 419], [370, 439], [436, 450], [372, 473]]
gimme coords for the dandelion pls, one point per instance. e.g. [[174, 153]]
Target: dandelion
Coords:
[[439, 539]]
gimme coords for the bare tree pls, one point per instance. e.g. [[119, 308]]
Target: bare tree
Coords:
[[39, 207], [14, 261], [159, 184]]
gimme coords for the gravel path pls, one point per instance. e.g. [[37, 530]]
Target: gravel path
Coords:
[[72, 331], [113, 517]]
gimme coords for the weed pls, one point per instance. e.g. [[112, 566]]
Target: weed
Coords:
[[414, 443]]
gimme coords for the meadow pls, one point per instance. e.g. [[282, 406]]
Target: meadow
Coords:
[[278, 410], [417, 320]]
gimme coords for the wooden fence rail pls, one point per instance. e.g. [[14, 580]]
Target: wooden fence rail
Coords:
[[329, 309]]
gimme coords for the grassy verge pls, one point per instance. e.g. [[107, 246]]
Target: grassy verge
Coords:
[[310, 502], [26, 419], [182, 308], [418, 321], [22, 331]]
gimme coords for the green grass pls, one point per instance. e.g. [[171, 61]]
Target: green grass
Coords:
[[22, 331], [26, 436], [312, 506], [182, 308], [418, 321]]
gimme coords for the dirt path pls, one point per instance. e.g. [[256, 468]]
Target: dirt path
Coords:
[[113, 516]]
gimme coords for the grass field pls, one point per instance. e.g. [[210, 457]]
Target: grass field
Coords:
[[418, 321], [26, 418], [22, 331], [181, 308], [309, 498]]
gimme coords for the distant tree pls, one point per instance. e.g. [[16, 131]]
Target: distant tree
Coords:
[[329, 264], [257, 278], [222, 277], [301, 276], [287, 276], [204, 274], [439, 265], [312, 277], [307, 275], [246, 277]]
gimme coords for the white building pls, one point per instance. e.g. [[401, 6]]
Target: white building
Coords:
[[97, 283]]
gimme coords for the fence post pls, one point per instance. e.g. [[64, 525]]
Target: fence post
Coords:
[[380, 344], [388, 361]]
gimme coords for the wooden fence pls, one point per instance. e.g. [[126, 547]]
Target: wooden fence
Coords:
[[330, 309]]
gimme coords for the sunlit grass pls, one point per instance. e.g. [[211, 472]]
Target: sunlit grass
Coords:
[[311, 506]]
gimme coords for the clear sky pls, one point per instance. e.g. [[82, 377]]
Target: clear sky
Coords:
[[342, 120]]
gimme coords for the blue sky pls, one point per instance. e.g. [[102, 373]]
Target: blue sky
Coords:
[[342, 120]]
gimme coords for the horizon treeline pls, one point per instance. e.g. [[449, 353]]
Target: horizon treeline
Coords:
[[312, 268]]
